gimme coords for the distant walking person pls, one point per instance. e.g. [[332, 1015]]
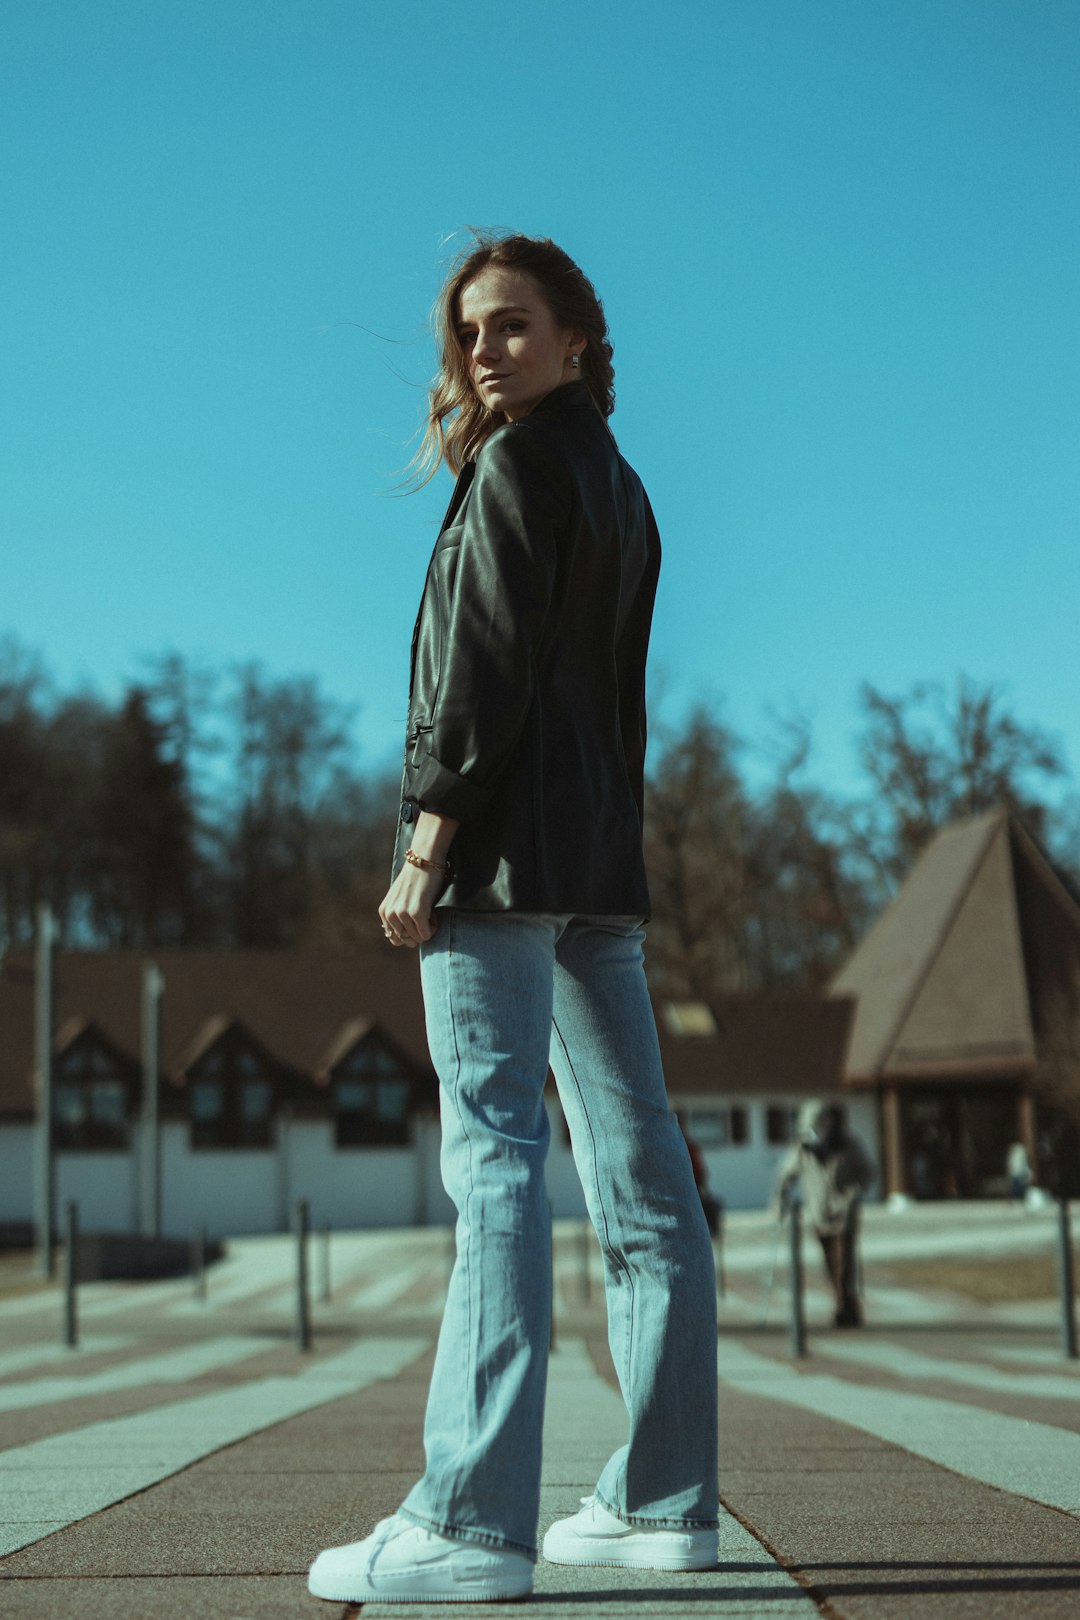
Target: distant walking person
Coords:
[[520, 877], [1018, 1170], [833, 1169]]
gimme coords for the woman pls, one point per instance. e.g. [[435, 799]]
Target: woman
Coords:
[[519, 875]]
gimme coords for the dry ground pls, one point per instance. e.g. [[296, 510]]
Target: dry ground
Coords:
[[18, 1273], [986, 1280]]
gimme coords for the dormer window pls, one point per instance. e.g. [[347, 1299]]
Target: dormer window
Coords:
[[91, 1098], [231, 1095], [371, 1091]]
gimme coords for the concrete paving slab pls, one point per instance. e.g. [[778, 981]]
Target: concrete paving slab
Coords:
[[34, 1357], [16, 1533], [904, 1362], [168, 1367], [964, 1551], [251, 1597], [40, 1422], [1030, 1459], [116, 1458]]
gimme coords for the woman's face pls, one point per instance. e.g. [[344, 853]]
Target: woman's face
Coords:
[[514, 351]]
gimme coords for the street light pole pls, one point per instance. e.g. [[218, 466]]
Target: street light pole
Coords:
[[44, 1162], [150, 1135]]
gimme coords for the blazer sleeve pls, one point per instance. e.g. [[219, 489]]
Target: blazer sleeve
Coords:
[[493, 624]]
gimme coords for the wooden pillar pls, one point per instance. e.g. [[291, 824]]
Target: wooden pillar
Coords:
[[892, 1145]]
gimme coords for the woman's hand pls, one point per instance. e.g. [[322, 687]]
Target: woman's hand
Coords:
[[407, 912]]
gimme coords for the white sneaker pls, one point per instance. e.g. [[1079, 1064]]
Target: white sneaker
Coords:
[[595, 1536], [400, 1562]]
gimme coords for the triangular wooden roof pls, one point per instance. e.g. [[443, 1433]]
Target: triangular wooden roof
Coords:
[[947, 982]]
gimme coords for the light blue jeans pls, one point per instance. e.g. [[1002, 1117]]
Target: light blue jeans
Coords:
[[504, 993]]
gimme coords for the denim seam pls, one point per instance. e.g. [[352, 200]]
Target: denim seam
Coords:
[[469, 1311], [467, 1534], [657, 1524], [608, 1245]]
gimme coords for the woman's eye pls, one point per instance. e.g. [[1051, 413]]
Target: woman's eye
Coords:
[[512, 326]]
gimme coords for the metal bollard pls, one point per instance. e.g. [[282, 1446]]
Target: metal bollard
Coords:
[[798, 1318], [1066, 1281], [198, 1262], [324, 1266], [71, 1274], [303, 1304]]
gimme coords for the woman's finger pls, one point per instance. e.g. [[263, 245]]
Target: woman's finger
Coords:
[[407, 910]]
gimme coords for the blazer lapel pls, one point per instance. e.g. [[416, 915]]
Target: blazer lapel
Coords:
[[461, 489]]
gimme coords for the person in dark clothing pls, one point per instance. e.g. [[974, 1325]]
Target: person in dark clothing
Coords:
[[712, 1207], [833, 1169]]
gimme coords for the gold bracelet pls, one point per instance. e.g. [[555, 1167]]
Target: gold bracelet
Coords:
[[426, 866]]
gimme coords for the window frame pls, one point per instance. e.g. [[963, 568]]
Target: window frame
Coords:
[[359, 1129], [226, 1064], [73, 1070]]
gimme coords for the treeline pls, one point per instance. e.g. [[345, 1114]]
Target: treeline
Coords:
[[775, 887], [203, 808], [210, 808]]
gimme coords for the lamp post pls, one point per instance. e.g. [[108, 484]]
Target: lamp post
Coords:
[[153, 983], [44, 1162]]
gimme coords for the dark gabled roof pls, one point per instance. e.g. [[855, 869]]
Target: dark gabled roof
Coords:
[[307, 1009], [352, 1031], [295, 1004], [755, 1044], [79, 1028], [943, 981], [205, 1038]]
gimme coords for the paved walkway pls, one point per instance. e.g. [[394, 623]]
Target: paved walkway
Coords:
[[188, 1461]]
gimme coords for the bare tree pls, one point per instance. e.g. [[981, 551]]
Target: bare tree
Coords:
[[696, 847], [933, 760], [289, 743], [142, 887], [25, 808], [352, 839]]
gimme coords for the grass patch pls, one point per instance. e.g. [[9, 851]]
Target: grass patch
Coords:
[[986, 1280], [18, 1274]]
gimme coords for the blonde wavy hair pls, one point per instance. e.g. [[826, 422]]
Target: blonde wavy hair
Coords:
[[458, 421]]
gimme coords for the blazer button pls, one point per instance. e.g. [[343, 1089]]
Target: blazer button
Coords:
[[408, 812]]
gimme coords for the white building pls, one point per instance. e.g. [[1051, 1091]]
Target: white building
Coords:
[[305, 1074]]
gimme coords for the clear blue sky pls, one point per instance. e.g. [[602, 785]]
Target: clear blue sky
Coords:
[[838, 244]]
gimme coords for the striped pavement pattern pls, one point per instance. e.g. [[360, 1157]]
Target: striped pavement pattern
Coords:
[[924, 1384]]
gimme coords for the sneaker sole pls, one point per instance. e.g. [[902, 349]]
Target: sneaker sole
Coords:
[[620, 1555], [477, 1592]]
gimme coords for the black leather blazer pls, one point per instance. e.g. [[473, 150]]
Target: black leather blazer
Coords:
[[527, 695]]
